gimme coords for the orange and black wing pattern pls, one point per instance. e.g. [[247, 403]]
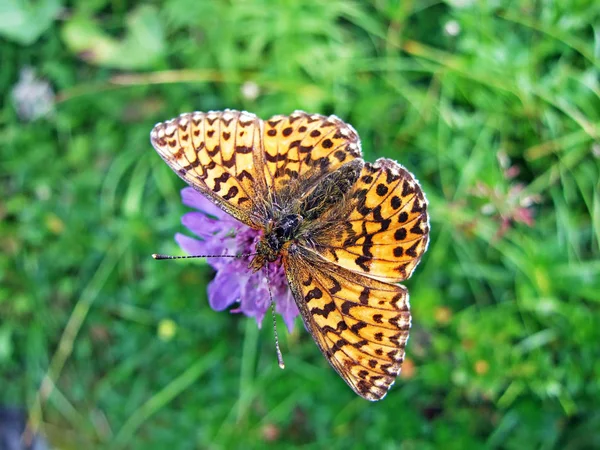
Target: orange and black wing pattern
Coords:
[[385, 229], [220, 154], [360, 324], [305, 147]]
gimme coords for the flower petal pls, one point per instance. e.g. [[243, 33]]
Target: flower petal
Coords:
[[221, 234], [194, 199], [224, 290], [190, 245], [286, 306], [254, 298], [202, 225]]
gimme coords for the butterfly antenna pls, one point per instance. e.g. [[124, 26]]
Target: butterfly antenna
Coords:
[[243, 255], [279, 355]]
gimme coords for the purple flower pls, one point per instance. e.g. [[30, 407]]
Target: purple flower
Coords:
[[221, 234]]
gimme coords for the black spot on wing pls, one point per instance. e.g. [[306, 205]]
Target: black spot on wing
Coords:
[[313, 293], [357, 327], [364, 296], [221, 179], [232, 192], [244, 174], [412, 251], [400, 234], [381, 189], [362, 261], [329, 307]]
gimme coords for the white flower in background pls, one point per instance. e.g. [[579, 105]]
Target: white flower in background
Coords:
[[250, 90], [32, 97], [452, 28]]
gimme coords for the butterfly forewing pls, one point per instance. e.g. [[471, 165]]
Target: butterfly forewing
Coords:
[[305, 147], [360, 324], [219, 154]]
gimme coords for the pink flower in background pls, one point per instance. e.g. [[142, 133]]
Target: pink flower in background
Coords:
[[234, 284], [514, 206]]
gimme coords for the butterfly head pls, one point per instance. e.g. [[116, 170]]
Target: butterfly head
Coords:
[[277, 235]]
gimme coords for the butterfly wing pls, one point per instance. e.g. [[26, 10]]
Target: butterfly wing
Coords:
[[359, 323], [303, 147], [220, 154], [242, 163], [387, 227]]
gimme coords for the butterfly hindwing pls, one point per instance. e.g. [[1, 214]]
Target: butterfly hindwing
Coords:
[[360, 324], [385, 230]]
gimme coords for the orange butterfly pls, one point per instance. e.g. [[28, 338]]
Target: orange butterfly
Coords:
[[345, 230]]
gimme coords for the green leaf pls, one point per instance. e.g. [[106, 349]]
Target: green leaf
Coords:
[[142, 45], [24, 21]]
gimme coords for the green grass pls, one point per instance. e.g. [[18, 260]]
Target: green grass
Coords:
[[500, 122]]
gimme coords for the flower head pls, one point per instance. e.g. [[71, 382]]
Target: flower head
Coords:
[[32, 96], [234, 283]]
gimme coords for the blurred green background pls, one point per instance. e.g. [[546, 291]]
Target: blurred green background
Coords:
[[495, 106]]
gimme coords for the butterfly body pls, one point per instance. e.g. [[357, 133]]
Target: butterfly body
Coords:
[[296, 217], [345, 230]]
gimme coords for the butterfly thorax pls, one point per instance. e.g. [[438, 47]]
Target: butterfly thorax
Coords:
[[277, 234], [296, 222]]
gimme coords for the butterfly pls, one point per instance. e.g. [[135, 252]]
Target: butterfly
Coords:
[[346, 231]]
